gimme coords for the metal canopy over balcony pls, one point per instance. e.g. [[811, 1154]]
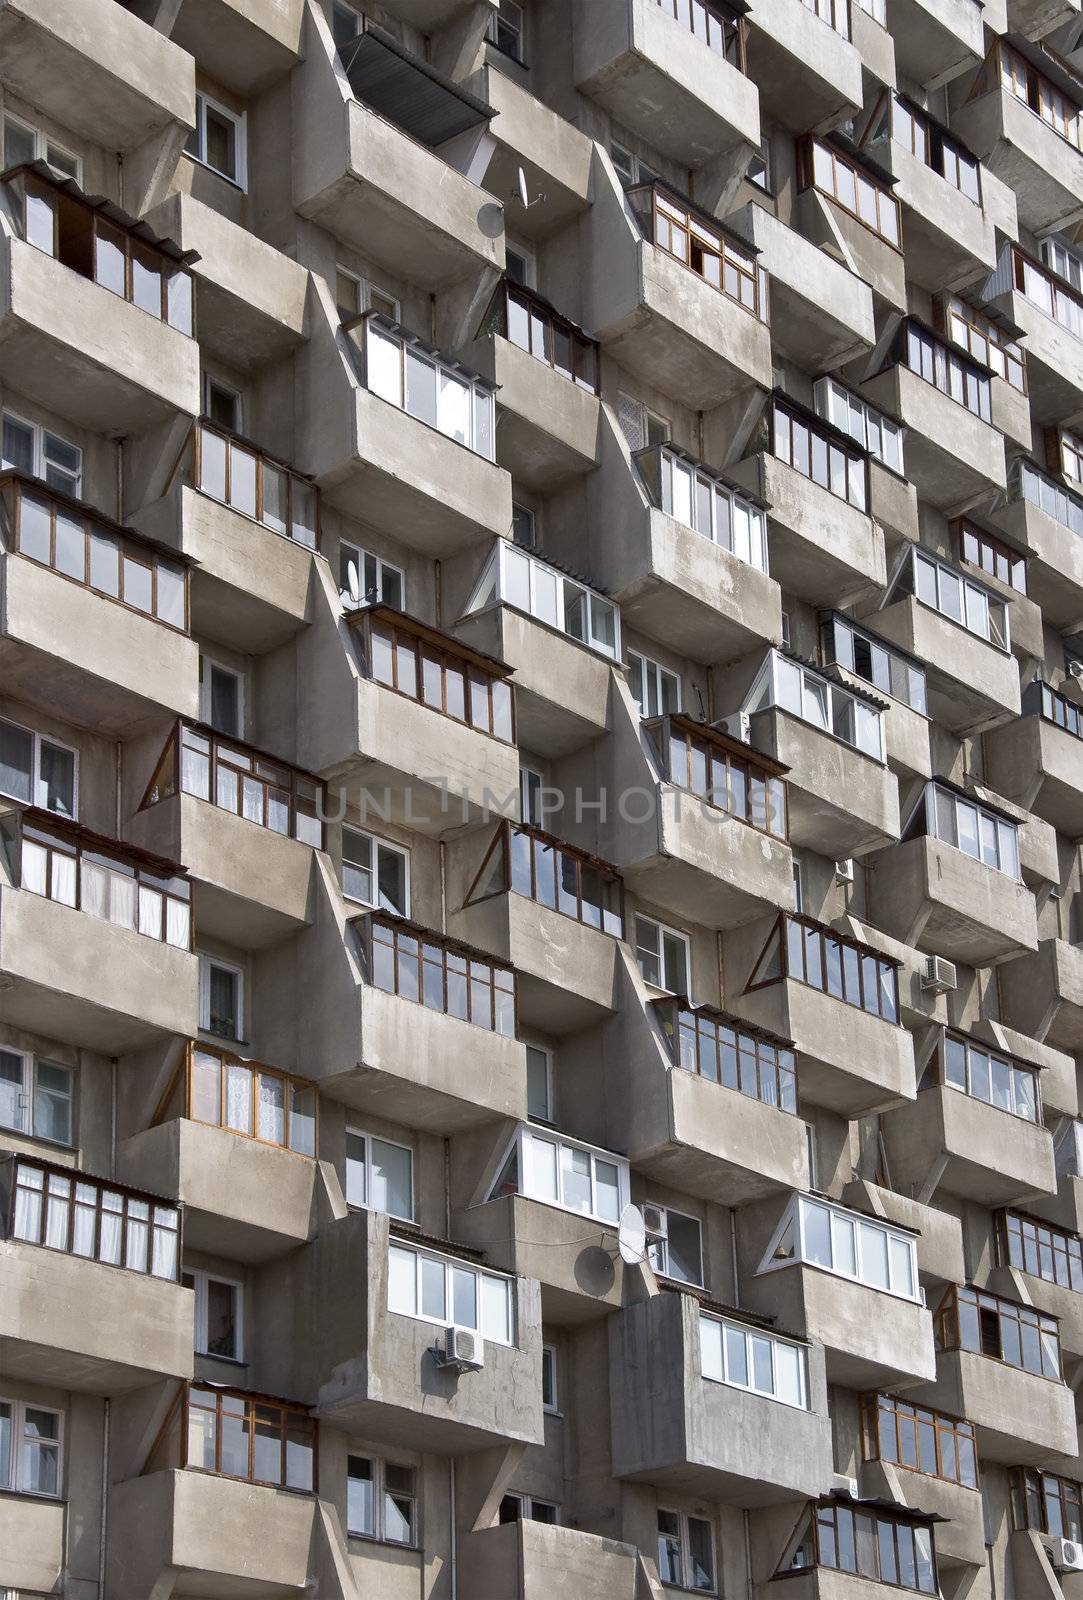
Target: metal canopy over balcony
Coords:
[[408, 92]]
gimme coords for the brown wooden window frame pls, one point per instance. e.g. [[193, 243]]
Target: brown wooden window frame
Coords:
[[497, 875], [297, 483], [904, 1416], [672, 220], [992, 556], [760, 774], [885, 201], [700, 1040], [434, 951], [817, 931], [417, 642], [948, 1327], [184, 1077], [1031, 1493], [76, 1203], [247, 1407]]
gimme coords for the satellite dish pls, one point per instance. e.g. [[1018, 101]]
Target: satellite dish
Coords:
[[632, 1236], [524, 195], [353, 582]]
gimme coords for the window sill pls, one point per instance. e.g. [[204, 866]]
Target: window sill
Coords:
[[40, 1138], [382, 1544], [31, 1494]]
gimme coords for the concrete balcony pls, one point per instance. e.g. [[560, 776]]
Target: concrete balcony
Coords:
[[32, 1539], [821, 313], [97, 70], [85, 353], [822, 547], [1045, 171], [971, 684], [555, 156], [936, 40], [1055, 559], [992, 1156], [1043, 992], [841, 802], [1019, 1416], [246, 43], [243, 1541], [580, 1279], [527, 1560], [1039, 765], [654, 76], [676, 1429], [949, 239], [937, 897], [547, 426], [429, 14], [960, 1536], [808, 76], [952, 455], [243, 1198], [880, 264], [251, 296], [1051, 1299], [822, 1583], [1054, 354], [78, 1324]]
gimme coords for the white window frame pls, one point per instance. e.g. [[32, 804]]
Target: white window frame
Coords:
[[1002, 827], [798, 888], [378, 1466], [631, 169], [744, 537], [721, 1371], [551, 1407], [27, 1095], [815, 692], [480, 394], [526, 807], [500, 16], [674, 933], [522, 1142], [990, 599], [239, 119], [348, 551], [37, 784], [206, 663], [882, 437], [206, 961], [652, 675], [658, 1247], [635, 414], [685, 1544], [544, 1051], [200, 1281], [453, 1264], [494, 588], [377, 845], [530, 263], [794, 1217], [366, 1204], [40, 434], [43, 142], [518, 508], [11, 1472]]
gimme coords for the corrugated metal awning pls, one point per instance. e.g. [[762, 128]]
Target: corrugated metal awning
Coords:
[[407, 91]]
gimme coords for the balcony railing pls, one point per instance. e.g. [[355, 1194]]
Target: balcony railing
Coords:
[[413, 375], [237, 1434], [1047, 1503], [724, 1050], [805, 951], [236, 472], [919, 1439], [530, 862], [221, 1090], [1041, 1250], [1017, 1335], [404, 959], [990, 1076], [751, 1358], [102, 877], [430, 667], [826, 168], [883, 666], [961, 599], [695, 240], [930, 358], [789, 685], [694, 495], [816, 1232], [894, 1549], [818, 451], [61, 1209], [517, 578], [719, 27], [1007, 68], [239, 779], [522, 316], [724, 773], [97, 240], [81, 545], [1037, 488]]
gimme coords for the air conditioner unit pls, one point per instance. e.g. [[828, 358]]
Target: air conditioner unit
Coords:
[[844, 871], [654, 1220], [463, 1349], [1067, 1555], [738, 725], [844, 1485], [938, 976]]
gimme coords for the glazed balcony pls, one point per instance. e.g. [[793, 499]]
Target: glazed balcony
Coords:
[[523, 1559], [1037, 760], [65, 63], [678, 302], [368, 165], [863, 660], [249, 524], [807, 70], [99, 313], [960, 1535], [842, 197], [1048, 312], [249, 45], [688, 1414], [1044, 993], [68, 1240], [1044, 518], [836, 999], [939, 1234], [992, 1155], [94, 930], [551, 911], [236, 1142], [70, 573], [555, 156], [675, 79]]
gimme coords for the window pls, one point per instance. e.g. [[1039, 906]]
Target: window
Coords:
[[218, 140], [655, 689], [704, 762], [62, 1210], [748, 1357], [676, 1250], [519, 265], [435, 390], [381, 1501], [663, 955], [237, 1435], [36, 1097], [450, 1292], [1051, 294], [518, 579], [221, 998], [960, 378], [345, 23], [686, 1551], [868, 657], [38, 770], [700, 499], [935, 147], [1046, 1503], [1015, 74], [729, 1052], [987, 343], [28, 447], [219, 1315], [436, 670], [630, 169], [525, 1508], [22, 144], [1063, 260], [806, 951], [539, 1083], [823, 167], [846, 1244], [798, 889], [759, 168], [550, 1399], [959, 598], [364, 579], [529, 862], [30, 1449], [885, 1548], [250, 1099], [695, 240], [1039, 489], [880, 435], [788, 686], [375, 873], [987, 1075], [524, 532], [1051, 706], [239, 779], [558, 1172], [379, 1175], [919, 1439], [816, 452], [505, 29], [98, 877], [968, 1319], [643, 428], [976, 830], [442, 974], [531, 796], [222, 404], [221, 697], [712, 24], [256, 485], [349, 294], [992, 556], [529, 322], [1041, 1250]]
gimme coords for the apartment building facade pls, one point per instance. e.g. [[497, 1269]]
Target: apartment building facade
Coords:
[[541, 772]]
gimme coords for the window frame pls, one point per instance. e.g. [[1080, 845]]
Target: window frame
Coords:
[[684, 1547], [747, 1332], [43, 142], [675, 933], [550, 1407], [660, 1244], [829, 397], [405, 640], [481, 395], [496, 588], [792, 1227], [1004, 828], [30, 1061], [546, 1054], [450, 1264], [38, 794], [347, 549], [531, 1133], [13, 1482], [1028, 1244], [952, 1037], [878, 1406], [768, 693], [301, 492], [989, 598], [378, 845], [652, 675], [198, 138], [206, 961], [378, 1478], [40, 435], [73, 1206], [950, 1334], [886, 203], [292, 1088], [399, 930], [685, 1027], [208, 666], [678, 229], [252, 1403], [353, 1131], [201, 1281]]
